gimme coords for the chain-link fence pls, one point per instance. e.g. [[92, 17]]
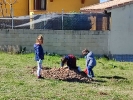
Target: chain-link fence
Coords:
[[54, 21]]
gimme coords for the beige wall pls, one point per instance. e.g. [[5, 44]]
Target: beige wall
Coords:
[[58, 41], [121, 35]]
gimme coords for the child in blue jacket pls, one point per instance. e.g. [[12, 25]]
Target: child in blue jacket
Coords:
[[90, 62], [39, 54]]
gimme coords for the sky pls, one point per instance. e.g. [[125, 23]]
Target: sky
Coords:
[[103, 0]]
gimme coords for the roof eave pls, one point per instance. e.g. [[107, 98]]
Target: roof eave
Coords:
[[92, 10], [107, 8]]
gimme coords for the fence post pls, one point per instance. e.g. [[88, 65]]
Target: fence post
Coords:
[[44, 21], [62, 18], [12, 15]]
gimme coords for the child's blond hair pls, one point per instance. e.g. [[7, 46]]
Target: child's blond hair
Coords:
[[40, 37]]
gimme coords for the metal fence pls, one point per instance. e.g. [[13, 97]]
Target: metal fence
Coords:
[[54, 21]]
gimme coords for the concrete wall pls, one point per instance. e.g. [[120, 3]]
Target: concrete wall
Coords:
[[58, 41], [121, 35]]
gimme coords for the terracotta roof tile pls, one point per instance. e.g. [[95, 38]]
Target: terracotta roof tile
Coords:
[[106, 5]]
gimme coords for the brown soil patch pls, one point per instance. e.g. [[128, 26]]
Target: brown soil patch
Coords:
[[63, 74]]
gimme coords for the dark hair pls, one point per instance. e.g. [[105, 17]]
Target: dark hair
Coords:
[[63, 60]]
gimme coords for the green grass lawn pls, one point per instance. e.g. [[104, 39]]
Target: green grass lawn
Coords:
[[114, 80]]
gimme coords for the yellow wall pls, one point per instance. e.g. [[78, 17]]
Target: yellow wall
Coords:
[[26, 7], [20, 8], [66, 5]]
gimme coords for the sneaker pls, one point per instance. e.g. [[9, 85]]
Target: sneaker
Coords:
[[90, 77], [40, 77]]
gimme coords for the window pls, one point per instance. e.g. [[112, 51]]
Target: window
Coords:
[[40, 4]]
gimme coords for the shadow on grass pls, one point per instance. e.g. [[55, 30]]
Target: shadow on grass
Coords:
[[100, 81], [112, 77], [76, 80]]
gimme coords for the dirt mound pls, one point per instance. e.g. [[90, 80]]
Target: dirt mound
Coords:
[[63, 74]]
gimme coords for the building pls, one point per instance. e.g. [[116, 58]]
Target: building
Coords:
[[28, 7], [14, 7], [120, 37]]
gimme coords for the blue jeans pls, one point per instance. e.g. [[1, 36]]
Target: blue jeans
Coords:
[[90, 71]]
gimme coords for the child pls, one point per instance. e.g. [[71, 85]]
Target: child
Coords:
[[39, 54], [90, 62], [70, 61]]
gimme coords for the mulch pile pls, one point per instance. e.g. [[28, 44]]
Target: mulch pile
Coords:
[[64, 74]]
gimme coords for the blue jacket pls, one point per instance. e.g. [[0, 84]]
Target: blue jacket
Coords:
[[90, 60], [39, 53]]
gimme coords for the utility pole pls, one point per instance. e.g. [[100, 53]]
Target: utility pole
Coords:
[[62, 19]]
